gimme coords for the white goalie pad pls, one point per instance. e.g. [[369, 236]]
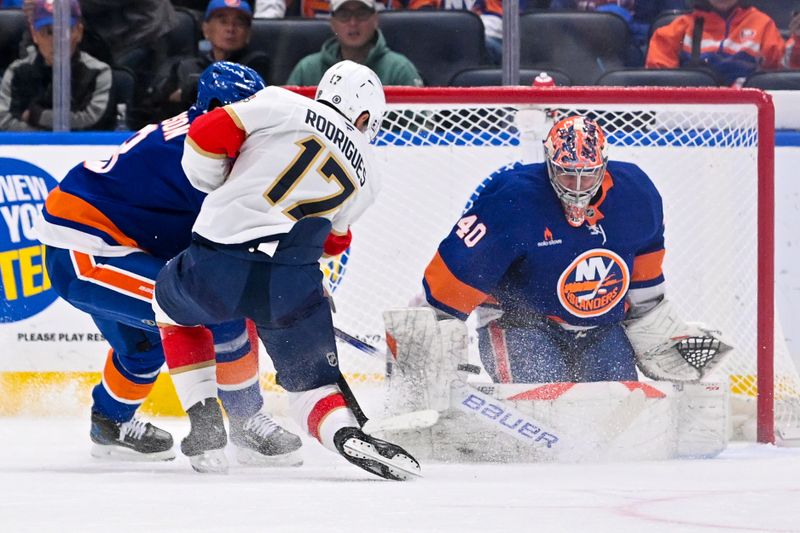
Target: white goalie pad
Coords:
[[424, 357], [575, 422], [668, 348]]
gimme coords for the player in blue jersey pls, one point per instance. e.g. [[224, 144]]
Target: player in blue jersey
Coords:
[[563, 260], [109, 227]]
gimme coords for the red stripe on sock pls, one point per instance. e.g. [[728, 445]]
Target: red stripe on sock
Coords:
[[186, 346], [252, 335], [322, 409]]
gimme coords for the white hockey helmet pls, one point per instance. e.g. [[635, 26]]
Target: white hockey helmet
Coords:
[[352, 89]]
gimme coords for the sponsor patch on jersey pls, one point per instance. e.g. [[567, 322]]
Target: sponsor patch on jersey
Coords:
[[593, 283], [548, 239]]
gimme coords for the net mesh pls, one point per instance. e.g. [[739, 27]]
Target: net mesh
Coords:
[[703, 159]]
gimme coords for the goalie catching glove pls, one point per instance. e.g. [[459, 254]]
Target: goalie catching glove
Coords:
[[667, 348]]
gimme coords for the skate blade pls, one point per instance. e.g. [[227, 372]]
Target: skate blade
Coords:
[[402, 467], [248, 457], [210, 462], [110, 452]]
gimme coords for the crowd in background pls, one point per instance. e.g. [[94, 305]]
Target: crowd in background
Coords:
[[731, 39]]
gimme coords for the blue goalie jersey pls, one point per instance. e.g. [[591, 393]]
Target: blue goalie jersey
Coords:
[[514, 248], [138, 200]]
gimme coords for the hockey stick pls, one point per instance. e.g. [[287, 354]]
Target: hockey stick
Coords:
[[357, 343], [406, 421], [371, 350], [352, 403], [414, 420]]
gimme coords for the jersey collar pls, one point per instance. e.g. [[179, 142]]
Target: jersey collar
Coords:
[[593, 213]]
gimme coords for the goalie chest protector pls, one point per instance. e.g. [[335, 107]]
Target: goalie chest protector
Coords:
[[514, 245]]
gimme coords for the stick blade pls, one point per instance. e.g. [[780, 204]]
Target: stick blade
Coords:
[[414, 420]]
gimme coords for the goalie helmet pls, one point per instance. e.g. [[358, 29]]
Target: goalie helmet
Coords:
[[576, 155], [352, 89], [223, 83]]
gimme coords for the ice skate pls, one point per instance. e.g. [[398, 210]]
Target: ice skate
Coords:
[[205, 443], [260, 441], [382, 458], [133, 440]]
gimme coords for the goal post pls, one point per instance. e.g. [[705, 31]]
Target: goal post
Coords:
[[710, 152]]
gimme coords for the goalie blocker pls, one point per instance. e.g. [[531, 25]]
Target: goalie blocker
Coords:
[[540, 422]]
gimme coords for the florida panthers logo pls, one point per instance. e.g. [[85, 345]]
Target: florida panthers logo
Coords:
[[593, 283]]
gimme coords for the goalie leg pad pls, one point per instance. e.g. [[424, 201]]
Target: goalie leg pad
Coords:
[[704, 423], [424, 358]]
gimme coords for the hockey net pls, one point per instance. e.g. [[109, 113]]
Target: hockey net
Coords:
[[709, 152]]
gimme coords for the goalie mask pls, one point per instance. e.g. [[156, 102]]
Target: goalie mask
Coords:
[[352, 89], [576, 155]]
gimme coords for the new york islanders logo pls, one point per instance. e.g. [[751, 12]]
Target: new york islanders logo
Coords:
[[593, 283]]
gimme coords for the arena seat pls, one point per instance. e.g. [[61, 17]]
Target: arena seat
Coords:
[[665, 17], [439, 43], [12, 28], [182, 40], [485, 77], [782, 80], [658, 78], [287, 41], [582, 44]]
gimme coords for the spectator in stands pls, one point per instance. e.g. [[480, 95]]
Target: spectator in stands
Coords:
[[269, 9], [321, 9], [130, 34], [639, 14], [226, 30], [357, 38], [490, 12], [730, 39], [26, 90]]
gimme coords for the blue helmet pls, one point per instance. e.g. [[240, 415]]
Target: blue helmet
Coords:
[[225, 82]]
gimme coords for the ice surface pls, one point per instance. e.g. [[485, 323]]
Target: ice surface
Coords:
[[49, 483]]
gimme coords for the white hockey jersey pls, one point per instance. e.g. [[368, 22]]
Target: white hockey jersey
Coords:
[[275, 158]]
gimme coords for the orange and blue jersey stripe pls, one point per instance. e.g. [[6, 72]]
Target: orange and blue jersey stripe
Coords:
[[68, 210]]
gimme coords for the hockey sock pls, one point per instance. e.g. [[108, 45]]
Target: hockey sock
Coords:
[[189, 352], [237, 368], [122, 390], [322, 412]]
